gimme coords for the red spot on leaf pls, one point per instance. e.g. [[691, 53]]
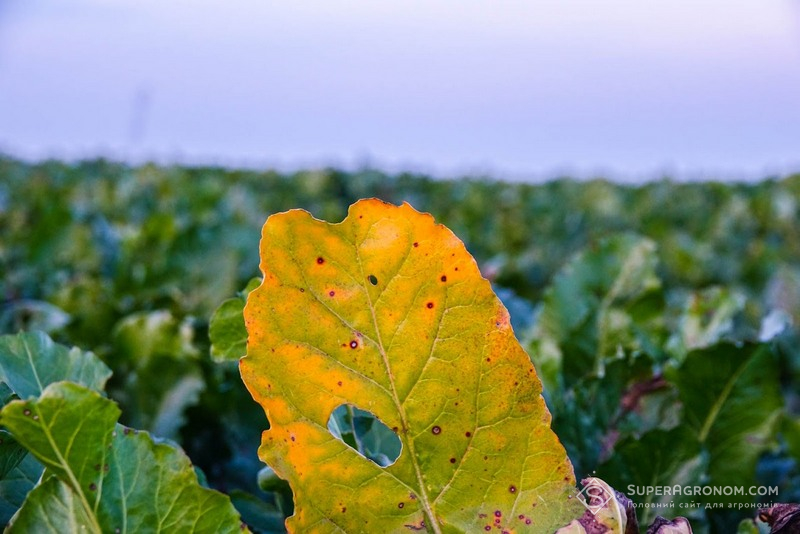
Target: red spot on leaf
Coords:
[[320, 260], [436, 430]]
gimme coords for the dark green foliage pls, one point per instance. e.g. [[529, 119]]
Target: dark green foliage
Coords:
[[627, 297]]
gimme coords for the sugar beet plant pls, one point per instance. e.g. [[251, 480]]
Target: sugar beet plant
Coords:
[[398, 399]]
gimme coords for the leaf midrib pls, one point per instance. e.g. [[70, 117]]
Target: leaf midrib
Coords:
[[424, 499], [716, 408], [76, 487]]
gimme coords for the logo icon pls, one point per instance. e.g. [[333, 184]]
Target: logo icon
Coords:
[[594, 495]]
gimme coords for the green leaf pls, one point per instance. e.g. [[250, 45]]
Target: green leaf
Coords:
[[29, 362], [16, 485], [109, 477], [791, 434], [52, 507], [588, 416], [747, 526], [388, 312], [604, 300], [658, 458], [11, 453], [160, 364], [226, 330], [258, 515], [32, 315], [141, 337], [732, 404], [707, 317]]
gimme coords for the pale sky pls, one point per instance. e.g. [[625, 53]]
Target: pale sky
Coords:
[[521, 90]]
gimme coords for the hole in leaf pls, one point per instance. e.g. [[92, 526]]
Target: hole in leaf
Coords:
[[362, 431], [373, 280]]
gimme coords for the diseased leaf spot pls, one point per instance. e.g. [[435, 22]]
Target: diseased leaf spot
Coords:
[[331, 293], [93, 486], [436, 430], [416, 244], [320, 260], [401, 505], [302, 290], [373, 280], [26, 412], [498, 513], [354, 344], [527, 521], [429, 305], [512, 489], [452, 460], [487, 528], [443, 278], [468, 434]]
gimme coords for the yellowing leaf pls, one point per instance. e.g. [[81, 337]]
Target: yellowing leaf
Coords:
[[388, 312]]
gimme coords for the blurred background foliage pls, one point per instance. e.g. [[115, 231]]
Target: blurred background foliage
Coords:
[[662, 317]]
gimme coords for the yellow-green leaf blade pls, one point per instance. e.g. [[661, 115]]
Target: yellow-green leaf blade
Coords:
[[387, 311]]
